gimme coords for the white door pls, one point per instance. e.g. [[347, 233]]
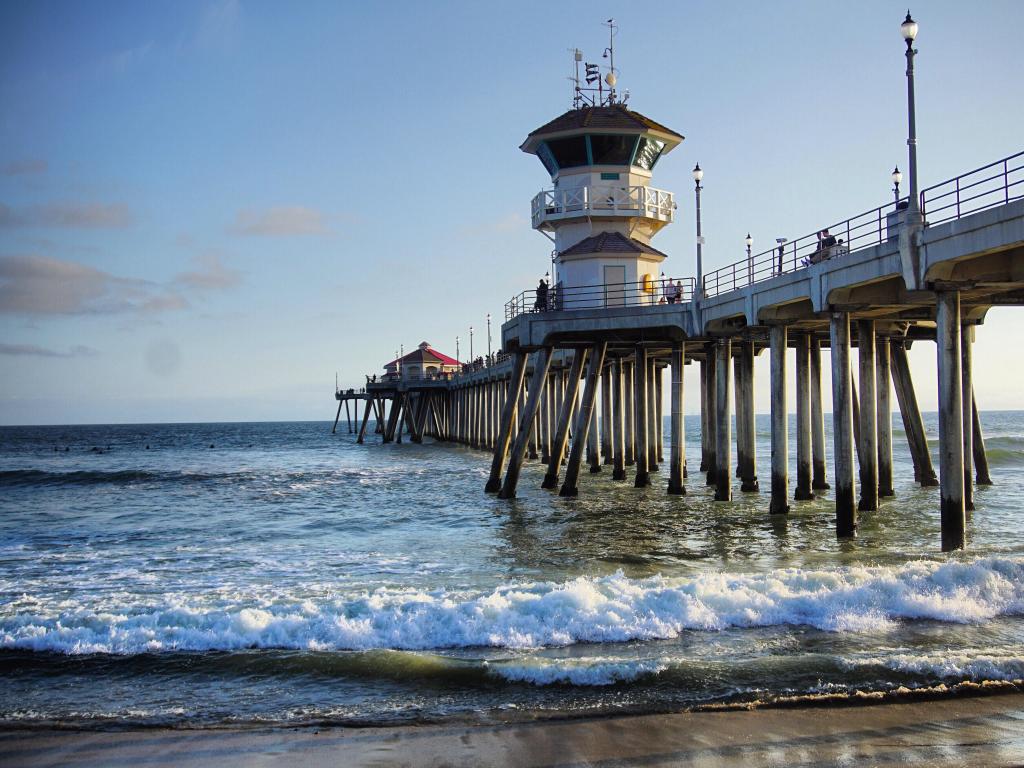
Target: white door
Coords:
[[614, 286]]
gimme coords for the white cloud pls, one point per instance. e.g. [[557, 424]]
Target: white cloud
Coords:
[[69, 215], [279, 221]]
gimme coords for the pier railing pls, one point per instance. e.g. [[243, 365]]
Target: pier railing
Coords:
[[600, 200], [994, 184], [560, 298]]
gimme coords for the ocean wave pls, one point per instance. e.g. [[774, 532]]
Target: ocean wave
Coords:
[[294, 480], [530, 615]]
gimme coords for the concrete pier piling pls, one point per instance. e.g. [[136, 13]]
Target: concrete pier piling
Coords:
[[746, 431], [819, 481], [677, 452], [711, 400], [723, 427], [584, 418], [561, 441], [883, 385], [868, 416], [642, 478], [967, 394], [842, 425], [606, 415], [982, 476], [541, 365], [705, 451], [779, 504], [803, 490], [618, 424], [653, 433], [629, 411], [951, 445], [910, 412]]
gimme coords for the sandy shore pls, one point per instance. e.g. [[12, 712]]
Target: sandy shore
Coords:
[[957, 731]]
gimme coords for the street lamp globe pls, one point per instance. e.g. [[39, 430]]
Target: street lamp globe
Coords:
[[897, 177], [748, 240], [698, 174], [908, 29]]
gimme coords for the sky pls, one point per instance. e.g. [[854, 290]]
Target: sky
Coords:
[[209, 208]]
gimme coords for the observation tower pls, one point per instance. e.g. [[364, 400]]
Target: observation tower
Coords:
[[602, 212]]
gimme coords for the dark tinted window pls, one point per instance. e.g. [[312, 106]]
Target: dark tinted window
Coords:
[[612, 150], [547, 158], [570, 153], [648, 152]]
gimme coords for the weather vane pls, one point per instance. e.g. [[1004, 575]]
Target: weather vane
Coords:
[[590, 89]]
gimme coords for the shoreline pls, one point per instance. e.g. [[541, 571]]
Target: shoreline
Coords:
[[951, 730]]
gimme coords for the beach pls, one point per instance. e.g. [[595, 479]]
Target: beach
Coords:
[[976, 731]]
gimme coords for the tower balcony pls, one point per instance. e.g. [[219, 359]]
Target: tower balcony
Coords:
[[604, 202]]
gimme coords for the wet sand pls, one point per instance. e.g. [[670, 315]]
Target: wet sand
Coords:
[[954, 731]]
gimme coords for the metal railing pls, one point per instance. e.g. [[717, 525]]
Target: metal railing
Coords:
[[605, 296], [994, 184], [600, 200]]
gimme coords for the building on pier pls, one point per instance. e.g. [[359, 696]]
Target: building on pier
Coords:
[[424, 362]]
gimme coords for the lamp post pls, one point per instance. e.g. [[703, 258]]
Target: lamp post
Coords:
[[488, 338], [909, 31], [471, 345], [782, 251], [897, 177], [457, 357], [698, 174], [750, 262]]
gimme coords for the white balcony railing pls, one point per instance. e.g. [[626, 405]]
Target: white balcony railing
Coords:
[[602, 201]]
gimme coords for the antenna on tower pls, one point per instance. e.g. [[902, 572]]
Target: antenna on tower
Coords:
[[609, 53]]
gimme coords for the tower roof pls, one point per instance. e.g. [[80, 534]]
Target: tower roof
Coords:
[[610, 242], [610, 119], [424, 353]]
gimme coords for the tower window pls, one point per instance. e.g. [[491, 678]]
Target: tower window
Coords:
[[612, 150], [570, 152], [544, 153], [648, 152]]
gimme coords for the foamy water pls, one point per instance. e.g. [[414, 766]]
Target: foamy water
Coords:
[[287, 575]]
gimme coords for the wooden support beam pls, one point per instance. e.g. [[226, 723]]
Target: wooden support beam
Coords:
[[951, 421], [842, 425], [803, 490], [643, 478], [883, 383], [779, 504], [508, 421], [868, 416], [723, 427], [366, 418], [584, 419], [541, 365], [564, 417], [818, 470], [913, 424], [618, 424]]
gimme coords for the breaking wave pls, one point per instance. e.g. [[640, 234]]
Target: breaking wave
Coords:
[[521, 616]]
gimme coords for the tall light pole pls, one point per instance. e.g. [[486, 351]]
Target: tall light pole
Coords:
[[897, 177], [909, 31], [750, 262], [698, 174], [471, 345], [488, 338], [457, 350]]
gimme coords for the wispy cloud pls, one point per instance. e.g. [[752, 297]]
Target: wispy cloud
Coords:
[[24, 167], [39, 285], [279, 221], [32, 350], [67, 216], [125, 60], [210, 274]]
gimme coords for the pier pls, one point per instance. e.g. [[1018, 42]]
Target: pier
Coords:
[[579, 382]]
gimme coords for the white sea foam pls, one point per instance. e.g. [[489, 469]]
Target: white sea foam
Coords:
[[959, 666], [591, 671], [606, 609]]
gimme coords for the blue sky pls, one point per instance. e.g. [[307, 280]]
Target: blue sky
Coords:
[[209, 208]]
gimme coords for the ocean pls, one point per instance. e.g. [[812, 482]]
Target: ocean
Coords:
[[204, 575]]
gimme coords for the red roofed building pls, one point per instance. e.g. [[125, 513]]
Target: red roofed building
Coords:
[[424, 362]]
